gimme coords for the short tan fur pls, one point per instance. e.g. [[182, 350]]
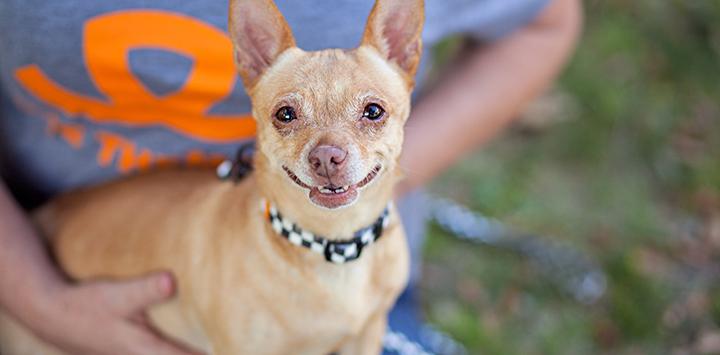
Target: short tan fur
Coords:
[[242, 289]]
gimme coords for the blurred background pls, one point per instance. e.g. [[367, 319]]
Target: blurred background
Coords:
[[621, 160]]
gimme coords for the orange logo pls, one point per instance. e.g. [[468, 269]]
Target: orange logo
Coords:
[[108, 40]]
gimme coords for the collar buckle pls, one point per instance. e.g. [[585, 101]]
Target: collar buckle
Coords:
[[342, 251]]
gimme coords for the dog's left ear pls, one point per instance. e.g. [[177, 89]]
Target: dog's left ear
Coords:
[[260, 34], [394, 29]]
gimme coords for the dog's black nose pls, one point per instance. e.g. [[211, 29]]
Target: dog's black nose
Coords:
[[327, 160]]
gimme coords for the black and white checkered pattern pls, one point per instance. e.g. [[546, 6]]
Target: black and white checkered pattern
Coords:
[[335, 251]]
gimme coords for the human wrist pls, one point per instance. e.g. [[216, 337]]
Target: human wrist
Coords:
[[38, 300]]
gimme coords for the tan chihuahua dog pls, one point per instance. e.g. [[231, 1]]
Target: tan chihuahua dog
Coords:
[[254, 276]]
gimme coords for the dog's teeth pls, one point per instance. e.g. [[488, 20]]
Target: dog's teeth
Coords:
[[333, 190]]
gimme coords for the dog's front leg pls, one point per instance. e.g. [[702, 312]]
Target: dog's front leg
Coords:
[[369, 341]]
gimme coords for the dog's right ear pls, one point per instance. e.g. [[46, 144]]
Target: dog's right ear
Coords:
[[259, 34]]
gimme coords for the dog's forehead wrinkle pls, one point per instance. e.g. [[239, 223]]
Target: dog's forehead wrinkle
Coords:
[[334, 84]]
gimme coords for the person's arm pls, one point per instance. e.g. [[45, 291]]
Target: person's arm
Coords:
[[479, 98], [93, 318]]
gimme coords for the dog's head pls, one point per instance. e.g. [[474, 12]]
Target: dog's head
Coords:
[[330, 123]]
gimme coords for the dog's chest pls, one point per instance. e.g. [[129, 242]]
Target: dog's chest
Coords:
[[300, 316], [335, 299], [311, 309]]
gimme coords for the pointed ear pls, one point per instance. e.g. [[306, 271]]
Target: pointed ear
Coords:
[[259, 34], [394, 29]]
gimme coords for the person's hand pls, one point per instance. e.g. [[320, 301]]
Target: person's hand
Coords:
[[106, 318]]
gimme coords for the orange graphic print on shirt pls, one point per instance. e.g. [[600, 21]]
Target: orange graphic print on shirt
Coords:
[[108, 40]]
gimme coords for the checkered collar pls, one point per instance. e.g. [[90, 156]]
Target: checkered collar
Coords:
[[335, 251]]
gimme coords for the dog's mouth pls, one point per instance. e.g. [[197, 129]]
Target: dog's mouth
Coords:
[[333, 196]]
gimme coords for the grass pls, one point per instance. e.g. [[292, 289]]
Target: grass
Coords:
[[625, 167]]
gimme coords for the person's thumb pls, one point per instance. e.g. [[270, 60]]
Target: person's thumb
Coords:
[[135, 295]]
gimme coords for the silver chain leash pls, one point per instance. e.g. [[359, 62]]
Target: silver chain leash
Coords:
[[574, 272], [398, 343]]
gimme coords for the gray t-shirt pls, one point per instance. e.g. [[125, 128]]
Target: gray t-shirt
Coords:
[[92, 90]]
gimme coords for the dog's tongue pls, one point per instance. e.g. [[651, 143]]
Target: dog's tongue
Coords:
[[334, 200]]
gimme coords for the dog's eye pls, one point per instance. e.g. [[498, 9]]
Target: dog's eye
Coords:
[[373, 112], [285, 114]]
